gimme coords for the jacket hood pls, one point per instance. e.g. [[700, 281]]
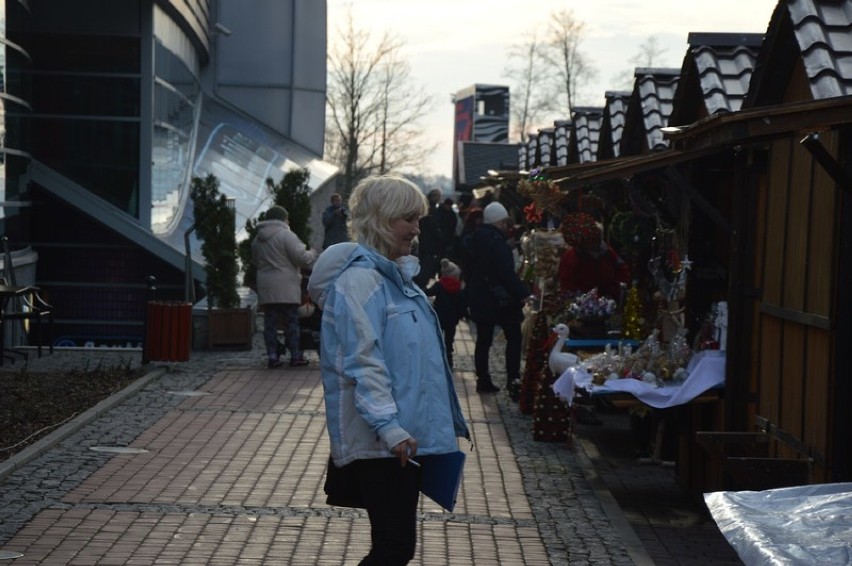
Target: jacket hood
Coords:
[[266, 229], [340, 256]]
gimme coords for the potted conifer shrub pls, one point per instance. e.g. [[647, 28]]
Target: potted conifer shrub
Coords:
[[228, 325]]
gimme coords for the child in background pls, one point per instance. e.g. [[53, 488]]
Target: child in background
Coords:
[[450, 302]]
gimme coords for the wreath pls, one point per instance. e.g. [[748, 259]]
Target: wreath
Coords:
[[632, 231]]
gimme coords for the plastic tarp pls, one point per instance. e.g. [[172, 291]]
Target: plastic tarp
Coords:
[[809, 524]]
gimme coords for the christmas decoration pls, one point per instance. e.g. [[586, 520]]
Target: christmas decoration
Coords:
[[544, 193], [589, 306], [632, 317], [633, 232], [551, 415], [537, 352], [580, 228]]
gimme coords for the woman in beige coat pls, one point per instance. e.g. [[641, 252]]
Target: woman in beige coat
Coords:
[[279, 255]]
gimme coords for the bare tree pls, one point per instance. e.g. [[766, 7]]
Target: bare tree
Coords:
[[401, 105], [525, 68], [649, 55], [373, 106], [569, 67]]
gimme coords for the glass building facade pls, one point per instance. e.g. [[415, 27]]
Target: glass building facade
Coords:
[[15, 109], [107, 111]]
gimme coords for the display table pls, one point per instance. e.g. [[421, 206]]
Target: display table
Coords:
[[809, 524], [705, 372], [600, 343]]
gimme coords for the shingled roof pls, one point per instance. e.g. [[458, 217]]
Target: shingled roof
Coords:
[[562, 134], [715, 75], [585, 133], [649, 109], [817, 31], [612, 124]]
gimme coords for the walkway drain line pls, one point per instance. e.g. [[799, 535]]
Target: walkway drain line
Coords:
[[118, 449]]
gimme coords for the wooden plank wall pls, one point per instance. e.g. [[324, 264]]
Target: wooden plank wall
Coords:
[[795, 266]]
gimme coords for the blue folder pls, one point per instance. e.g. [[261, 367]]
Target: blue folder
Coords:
[[440, 477]]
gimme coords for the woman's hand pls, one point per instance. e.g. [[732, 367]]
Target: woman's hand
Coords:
[[405, 451]]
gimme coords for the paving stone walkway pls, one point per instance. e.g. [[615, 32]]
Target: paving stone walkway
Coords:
[[228, 468]]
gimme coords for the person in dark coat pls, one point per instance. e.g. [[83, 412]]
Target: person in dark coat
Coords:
[[430, 242], [448, 222], [334, 221], [496, 294], [450, 302]]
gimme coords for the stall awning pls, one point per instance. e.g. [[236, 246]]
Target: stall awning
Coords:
[[762, 124], [625, 167]]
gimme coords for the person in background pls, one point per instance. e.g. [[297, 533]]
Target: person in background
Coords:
[[430, 242], [472, 220], [450, 302], [448, 222], [389, 394], [279, 255], [334, 221], [496, 294], [589, 262]]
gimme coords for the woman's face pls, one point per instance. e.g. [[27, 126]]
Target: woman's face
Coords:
[[403, 231]]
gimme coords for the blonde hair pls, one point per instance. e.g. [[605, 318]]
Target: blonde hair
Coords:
[[376, 202]]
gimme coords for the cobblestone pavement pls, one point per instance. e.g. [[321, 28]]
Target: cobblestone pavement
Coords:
[[233, 475]]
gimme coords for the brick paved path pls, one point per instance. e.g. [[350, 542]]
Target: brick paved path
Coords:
[[231, 467]]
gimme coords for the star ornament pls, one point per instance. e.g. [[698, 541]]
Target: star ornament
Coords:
[[532, 213]]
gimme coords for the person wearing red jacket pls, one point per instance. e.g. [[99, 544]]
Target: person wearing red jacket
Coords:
[[450, 302], [590, 262]]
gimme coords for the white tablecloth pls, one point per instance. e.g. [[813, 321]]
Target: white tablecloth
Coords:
[[706, 370]]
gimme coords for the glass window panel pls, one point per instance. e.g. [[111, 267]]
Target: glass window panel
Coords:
[[86, 95], [81, 53], [171, 163], [102, 156], [15, 66], [15, 121], [176, 94]]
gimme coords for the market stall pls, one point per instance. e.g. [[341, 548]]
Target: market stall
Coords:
[[615, 278]]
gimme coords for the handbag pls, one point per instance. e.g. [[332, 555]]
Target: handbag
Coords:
[[342, 487]]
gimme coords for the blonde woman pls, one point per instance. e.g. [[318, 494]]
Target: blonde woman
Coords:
[[389, 392]]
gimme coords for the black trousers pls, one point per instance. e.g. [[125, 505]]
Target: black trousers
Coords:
[[449, 331], [390, 494], [484, 339]]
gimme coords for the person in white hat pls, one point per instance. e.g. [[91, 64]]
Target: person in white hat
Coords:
[[495, 294]]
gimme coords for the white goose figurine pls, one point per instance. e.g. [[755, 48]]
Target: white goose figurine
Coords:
[[558, 360]]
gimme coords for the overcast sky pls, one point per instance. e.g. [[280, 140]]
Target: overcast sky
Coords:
[[452, 44]]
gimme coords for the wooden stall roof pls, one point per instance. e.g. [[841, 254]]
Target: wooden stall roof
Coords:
[[649, 109], [710, 135], [715, 75], [762, 124], [612, 124], [585, 133]]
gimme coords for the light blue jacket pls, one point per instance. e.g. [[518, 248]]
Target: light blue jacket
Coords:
[[384, 370]]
